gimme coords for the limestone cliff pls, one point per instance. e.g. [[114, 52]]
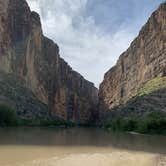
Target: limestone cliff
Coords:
[[26, 53], [140, 70]]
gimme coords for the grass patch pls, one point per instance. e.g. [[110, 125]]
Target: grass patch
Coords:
[[152, 85]]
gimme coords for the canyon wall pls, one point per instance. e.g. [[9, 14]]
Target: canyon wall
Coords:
[[26, 53], [140, 70]]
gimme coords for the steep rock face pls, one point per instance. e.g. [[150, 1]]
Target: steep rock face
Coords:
[[14, 93], [144, 60], [26, 53]]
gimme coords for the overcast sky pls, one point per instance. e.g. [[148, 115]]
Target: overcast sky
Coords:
[[92, 34]]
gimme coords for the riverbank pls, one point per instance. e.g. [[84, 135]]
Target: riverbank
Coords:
[[153, 123]]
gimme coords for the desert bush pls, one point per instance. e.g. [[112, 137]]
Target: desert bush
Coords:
[[8, 116], [153, 123]]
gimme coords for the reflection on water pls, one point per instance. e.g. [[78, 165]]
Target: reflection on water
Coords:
[[55, 141], [82, 137]]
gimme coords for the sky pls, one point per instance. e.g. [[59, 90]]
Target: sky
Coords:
[[92, 34]]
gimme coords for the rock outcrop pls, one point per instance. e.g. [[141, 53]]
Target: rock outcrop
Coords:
[[26, 53], [140, 71]]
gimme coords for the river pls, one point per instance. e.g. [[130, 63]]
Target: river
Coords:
[[28, 146]]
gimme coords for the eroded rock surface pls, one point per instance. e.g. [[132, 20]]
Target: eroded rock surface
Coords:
[[144, 60], [32, 57]]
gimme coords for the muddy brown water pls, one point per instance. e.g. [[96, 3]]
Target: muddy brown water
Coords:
[[28, 146]]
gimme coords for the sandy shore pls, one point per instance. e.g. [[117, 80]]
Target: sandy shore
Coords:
[[99, 159]]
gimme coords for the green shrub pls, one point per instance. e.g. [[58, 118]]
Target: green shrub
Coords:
[[44, 122], [7, 116], [153, 123], [130, 125], [28, 122]]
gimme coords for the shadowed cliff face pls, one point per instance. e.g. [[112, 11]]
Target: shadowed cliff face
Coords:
[[144, 61], [26, 53]]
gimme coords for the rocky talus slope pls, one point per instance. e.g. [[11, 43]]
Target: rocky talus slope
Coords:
[[137, 83], [26, 54]]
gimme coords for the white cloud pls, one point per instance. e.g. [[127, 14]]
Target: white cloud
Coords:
[[84, 45]]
